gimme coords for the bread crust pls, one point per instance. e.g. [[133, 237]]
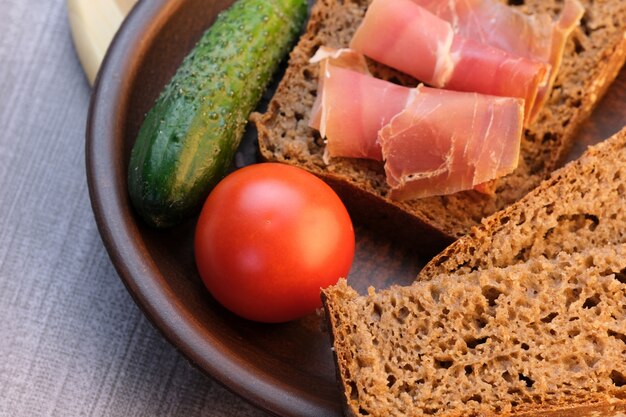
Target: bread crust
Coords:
[[614, 61], [429, 223], [616, 409], [339, 356], [389, 219]]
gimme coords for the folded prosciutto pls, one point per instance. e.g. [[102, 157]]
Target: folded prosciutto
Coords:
[[536, 37], [433, 141], [409, 38], [351, 109], [447, 141]]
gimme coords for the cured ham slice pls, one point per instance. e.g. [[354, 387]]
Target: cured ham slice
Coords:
[[447, 141], [433, 141], [536, 37], [409, 38], [352, 106]]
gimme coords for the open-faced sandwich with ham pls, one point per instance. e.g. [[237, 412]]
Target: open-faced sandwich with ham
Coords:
[[415, 109], [432, 141]]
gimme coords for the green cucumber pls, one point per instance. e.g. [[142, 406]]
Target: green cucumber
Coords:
[[188, 139]]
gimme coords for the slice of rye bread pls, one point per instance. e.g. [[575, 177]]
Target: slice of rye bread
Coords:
[[594, 53], [541, 338], [581, 205]]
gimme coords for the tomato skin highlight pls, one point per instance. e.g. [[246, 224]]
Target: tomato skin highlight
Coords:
[[269, 237]]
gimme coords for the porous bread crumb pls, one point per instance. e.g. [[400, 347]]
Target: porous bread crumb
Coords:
[[536, 336], [593, 56]]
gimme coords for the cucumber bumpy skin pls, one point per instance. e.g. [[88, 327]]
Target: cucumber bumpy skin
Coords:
[[188, 139]]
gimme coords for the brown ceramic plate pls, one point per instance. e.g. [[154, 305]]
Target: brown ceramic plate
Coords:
[[286, 369]]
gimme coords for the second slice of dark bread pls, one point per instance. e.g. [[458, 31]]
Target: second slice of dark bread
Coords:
[[593, 56], [540, 338]]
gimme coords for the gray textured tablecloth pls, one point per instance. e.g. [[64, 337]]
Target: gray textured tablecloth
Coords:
[[72, 341]]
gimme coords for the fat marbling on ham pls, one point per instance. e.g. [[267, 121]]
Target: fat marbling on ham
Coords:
[[411, 39], [535, 37], [433, 141]]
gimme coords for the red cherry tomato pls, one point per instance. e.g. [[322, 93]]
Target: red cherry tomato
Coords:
[[268, 238]]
